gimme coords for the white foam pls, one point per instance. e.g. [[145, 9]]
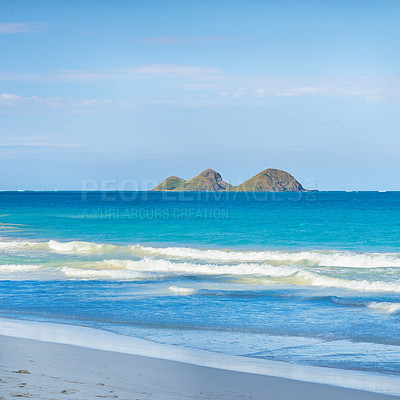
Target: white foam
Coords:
[[289, 275], [79, 273], [316, 257], [80, 247], [345, 259], [8, 268], [10, 245], [182, 290], [74, 247], [285, 267], [169, 267], [386, 307], [312, 279]]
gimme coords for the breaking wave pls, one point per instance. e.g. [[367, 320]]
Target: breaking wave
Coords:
[[9, 268], [185, 268], [301, 268], [386, 307], [73, 247], [248, 274], [184, 291], [314, 279], [315, 257], [109, 274], [344, 259]]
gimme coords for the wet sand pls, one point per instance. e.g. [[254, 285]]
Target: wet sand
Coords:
[[41, 370]]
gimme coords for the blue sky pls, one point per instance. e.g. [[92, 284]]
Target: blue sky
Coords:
[[122, 91]]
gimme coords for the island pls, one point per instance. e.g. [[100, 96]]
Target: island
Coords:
[[269, 180]]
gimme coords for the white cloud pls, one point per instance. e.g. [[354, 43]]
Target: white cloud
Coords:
[[38, 144], [300, 90], [179, 39], [374, 99], [152, 70], [7, 98], [19, 27], [238, 93], [175, 83], [36, 104], [260, 92], [371, 88], [171, 70], [213, 83], [79, 76]]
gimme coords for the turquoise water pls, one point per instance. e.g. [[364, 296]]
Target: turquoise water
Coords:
[[307, 278]]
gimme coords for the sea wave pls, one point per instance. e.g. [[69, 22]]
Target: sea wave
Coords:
[[80, 247], [386, 307], [321, 258], [182, 290], [9, 268], [263, 274], [314, 279], [89, 274], [300, 268], [314, 257], [73, 247], [188, 268]]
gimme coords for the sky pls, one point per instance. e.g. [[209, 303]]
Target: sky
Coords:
[[121, 94]]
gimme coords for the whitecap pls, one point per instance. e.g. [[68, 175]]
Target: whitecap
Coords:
[[182, 290], [9, 268], [386, 307]]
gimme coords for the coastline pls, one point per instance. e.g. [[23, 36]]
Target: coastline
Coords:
[[43, 370], [89, 362]]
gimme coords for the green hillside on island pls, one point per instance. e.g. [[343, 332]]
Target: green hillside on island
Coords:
[[269, 180], [208, 181]]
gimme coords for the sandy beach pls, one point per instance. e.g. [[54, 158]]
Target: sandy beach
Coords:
[[42, 370]]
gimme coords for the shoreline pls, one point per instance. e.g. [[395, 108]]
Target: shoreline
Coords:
[[30, 336], [44, 371]]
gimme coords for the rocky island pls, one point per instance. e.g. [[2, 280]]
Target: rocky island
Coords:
[[269, 180], [208, 181]]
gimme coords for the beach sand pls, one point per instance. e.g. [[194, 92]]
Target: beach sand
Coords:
[[41, 370]]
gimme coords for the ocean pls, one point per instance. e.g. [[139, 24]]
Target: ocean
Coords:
[[309, 278]]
